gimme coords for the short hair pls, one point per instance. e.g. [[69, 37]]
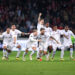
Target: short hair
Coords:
[[7, 27], [13, 24], [34, 30], [55, 25], [42, 29], [66, 26]]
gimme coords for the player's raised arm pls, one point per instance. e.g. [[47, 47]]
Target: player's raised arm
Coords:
[[39, 18]]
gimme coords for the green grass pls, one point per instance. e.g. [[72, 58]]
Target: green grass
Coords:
[[13, 67]]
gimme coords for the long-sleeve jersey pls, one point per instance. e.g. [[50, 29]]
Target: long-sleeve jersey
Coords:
[[48, 30], [7, 38], [32, 38], [15, 33], [39, 26], [43, 37], [68, 33], [56, 34]]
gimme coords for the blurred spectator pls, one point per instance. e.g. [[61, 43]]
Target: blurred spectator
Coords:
[[24, 13]]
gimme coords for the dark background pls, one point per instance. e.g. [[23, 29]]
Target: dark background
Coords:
[[24, 13]]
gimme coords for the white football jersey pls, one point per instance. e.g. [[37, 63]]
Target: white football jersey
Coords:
[[15, 33], [32, 38], [48, 30], [39, 26], [56, 34], [43, 37], [69, 33], [7, 38]]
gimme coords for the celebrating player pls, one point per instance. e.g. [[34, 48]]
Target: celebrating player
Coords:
[[31, 43], [42, 43], [67, 43], [48, 29], [15, 32], [56, 40], [40, 23], [7, 43]]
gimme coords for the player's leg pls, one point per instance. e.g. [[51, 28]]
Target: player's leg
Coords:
[[19, 51], [4, 52], [33, 51], [9, 48], [71, 51], [24, 54], [62, 53], [41, 51], [45, 53], [54, 50], [8, 53], [38, 56], [49, 52]]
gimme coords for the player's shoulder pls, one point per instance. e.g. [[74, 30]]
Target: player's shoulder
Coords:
[[31, 35], [12, 31], [38, 23], [58, 30], [62, 30], [4, 33], [17, 30], [70, 31], [50, 28]]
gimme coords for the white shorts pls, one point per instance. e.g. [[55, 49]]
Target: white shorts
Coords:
[[42, 46], [8, 45], [16, 44], [30, 45], [55, 46], [48, 43], [67, 44]]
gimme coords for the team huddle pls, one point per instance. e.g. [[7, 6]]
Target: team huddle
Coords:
[[42, 40]]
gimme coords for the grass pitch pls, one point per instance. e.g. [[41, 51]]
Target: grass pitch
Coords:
[[34, 67]]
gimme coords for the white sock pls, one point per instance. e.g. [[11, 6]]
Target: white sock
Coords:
[[4, 52], [32, 52], [38, 54], [7, 54], [48, 54], [62, 53], [71, 52], [53, 54], [18, 53], [24, 54]]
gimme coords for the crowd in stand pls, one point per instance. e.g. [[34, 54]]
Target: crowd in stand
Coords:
[[24, 13]]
